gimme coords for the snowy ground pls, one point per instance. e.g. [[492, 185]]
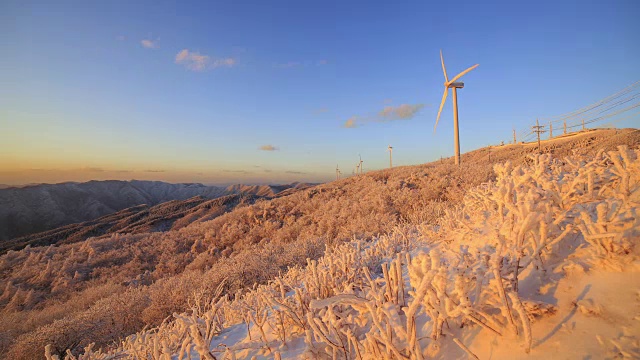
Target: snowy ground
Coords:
[[543, 263]]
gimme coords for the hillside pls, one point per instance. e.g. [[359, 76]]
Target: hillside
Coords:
[[541, 263], [36, 208], [60, 294], [170, 215]]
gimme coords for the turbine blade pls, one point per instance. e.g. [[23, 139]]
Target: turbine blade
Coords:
[[444, 70], [463, 73], [444, 99]]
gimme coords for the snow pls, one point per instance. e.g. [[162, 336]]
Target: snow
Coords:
[[541, 263]]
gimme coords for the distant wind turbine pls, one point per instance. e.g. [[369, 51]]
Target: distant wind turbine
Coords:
[[390, 150], [337, 172], [360, 163], [454, 86]]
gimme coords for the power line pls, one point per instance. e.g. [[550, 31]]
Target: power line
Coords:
[[609, 107], [595, 105]]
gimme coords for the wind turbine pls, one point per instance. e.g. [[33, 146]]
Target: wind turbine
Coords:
[[390, 150], [452, 84], [337, 172], [360, 165]]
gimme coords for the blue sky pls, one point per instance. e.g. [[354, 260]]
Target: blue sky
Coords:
[[190, 91]]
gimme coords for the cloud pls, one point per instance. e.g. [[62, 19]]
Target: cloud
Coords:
[[295, 172], [237, 171], [150, 44], [320, 111], [155, 171], [121, 38], [195, 61], [402, 112], [350, 123], [388, 113], [268, 148]]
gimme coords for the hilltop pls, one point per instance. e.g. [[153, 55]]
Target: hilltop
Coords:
[[100, 289]]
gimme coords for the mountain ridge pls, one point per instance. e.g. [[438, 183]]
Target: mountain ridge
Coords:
[[42, 207]]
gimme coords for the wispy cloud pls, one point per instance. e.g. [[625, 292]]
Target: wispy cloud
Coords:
[[388, 113], [150, 44], [155, 171], [195, 61], [350, 123], [296, 172], [268, 148], [402, 112], [237, 171]]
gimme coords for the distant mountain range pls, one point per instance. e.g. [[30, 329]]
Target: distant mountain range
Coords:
[[170, 215], [37, 208]]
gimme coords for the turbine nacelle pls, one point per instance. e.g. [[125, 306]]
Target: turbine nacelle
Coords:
[[457, 85]]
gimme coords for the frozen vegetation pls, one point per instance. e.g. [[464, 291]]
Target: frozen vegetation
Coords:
[[34, 208], [502, 259], [489, 278]]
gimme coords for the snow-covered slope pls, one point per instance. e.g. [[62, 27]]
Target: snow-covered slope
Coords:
[[266, 190], [166, 216], [541, 263], [99, 290], [32, 209], [42, 207]]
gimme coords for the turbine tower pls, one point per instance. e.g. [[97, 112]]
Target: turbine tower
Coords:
[[360, 164], [337, 172], [390, 150], [452, 84]]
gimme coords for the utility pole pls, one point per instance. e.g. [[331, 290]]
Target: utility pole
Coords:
[[514, 136], [582, 124], [538, 130], [550, 130], [565, 126]]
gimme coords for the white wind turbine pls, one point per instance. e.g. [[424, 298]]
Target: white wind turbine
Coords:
[[390, 150], [452, 84], [338, 172], [360, 165]]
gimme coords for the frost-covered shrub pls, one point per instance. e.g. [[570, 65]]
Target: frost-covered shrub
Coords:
[[43, 284], [415, 291]]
